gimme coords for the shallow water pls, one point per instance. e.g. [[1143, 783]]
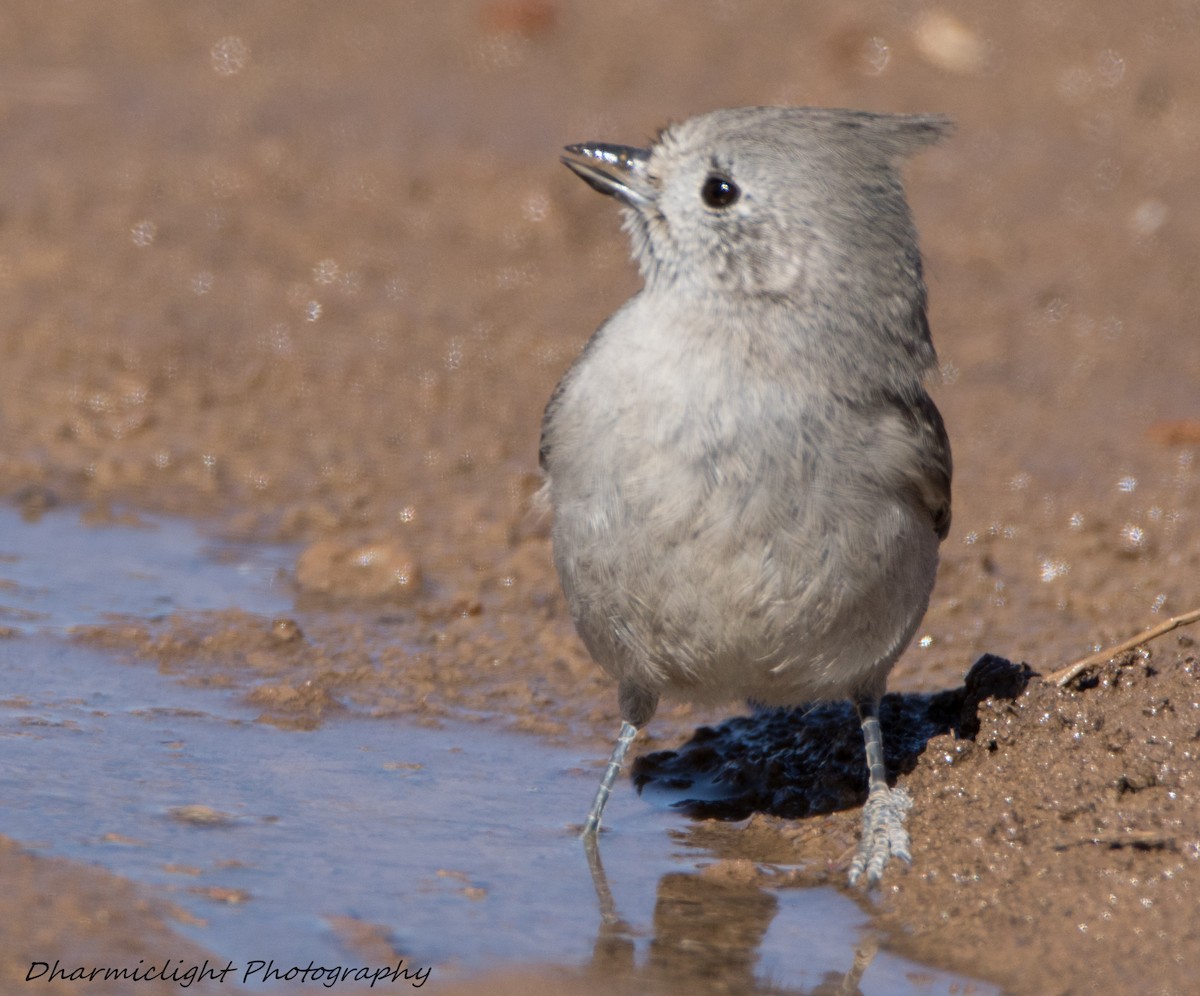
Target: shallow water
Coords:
[[451, 846]]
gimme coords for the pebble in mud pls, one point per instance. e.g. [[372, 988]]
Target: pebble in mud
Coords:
[[201, 816]]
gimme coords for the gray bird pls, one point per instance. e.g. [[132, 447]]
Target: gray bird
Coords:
[[749, 480]]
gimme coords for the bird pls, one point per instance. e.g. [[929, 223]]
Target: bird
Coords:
[[748, 478]]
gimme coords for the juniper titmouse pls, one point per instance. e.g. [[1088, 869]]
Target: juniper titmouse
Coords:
[[749, 481]]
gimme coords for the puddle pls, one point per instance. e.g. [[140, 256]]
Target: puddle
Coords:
[[449, 846], [57, 573]]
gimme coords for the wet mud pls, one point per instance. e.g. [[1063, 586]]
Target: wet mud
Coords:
[[306, 273]]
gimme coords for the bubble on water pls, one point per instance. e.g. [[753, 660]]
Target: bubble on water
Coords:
[[454, 355], [1127, 483], [230, 56], [1020, 482], [407, 514], [143, 233], [948, 372], [971, 537], [1052, 569], [1076, 520], [312, 311], [1159, 601], [202, 283]]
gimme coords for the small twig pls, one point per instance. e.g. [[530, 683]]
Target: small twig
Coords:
[[1061, 677]]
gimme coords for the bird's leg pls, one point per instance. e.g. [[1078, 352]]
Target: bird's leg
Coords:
[[624, 739], [883, 833]]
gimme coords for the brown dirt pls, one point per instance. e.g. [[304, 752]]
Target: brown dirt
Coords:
[[311, 270], [55, 910]]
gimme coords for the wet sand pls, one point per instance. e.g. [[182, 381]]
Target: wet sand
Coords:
[[310, 272]]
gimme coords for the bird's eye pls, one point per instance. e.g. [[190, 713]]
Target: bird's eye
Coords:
[[719, 191]]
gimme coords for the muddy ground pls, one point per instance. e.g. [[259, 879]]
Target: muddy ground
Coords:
[[310, 271]]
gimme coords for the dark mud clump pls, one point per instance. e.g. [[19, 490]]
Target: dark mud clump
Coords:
[[800, 762]]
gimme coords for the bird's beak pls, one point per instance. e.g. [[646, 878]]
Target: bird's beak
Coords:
[[617, 170]]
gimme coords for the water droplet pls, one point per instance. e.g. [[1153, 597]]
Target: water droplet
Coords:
[[1110, 67], [1052, 569], [925, 641], [1074, 84], [1107, 174], [946, 43], [1147, 218], [326, 271], [875, 56], [1127, 483], [230, 56], [536, 206], [1133, 537], [143, 233], [278, 339], [1056, 309]]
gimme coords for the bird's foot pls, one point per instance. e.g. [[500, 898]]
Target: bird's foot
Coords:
[[883, 834]]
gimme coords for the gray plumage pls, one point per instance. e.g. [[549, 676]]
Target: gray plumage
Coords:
[[749, 480]]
